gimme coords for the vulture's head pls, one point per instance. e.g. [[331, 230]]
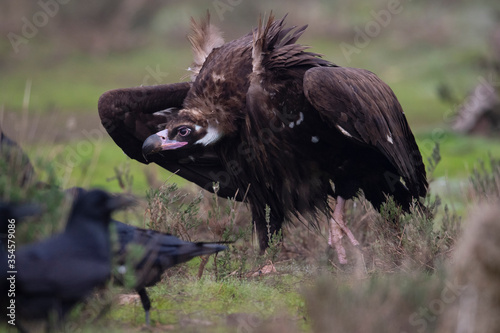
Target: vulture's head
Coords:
[[186, 131], [227, 81], [214, 103]]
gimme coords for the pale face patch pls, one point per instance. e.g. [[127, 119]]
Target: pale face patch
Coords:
[[314, 139], [212, 136]]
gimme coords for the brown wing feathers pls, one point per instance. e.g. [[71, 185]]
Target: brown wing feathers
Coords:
[[361, 106]]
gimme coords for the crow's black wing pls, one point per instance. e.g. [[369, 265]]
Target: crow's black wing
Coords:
[[53, 268], [133, 114], [168, 250], [356, 103], [57, 283], [161, 250]]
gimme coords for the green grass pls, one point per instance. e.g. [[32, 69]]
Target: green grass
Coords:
[[183, 301], [459, 153]]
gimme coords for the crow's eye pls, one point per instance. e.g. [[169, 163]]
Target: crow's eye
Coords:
[[184, 131]]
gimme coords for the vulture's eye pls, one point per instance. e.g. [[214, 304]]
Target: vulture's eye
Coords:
[[184, 131]]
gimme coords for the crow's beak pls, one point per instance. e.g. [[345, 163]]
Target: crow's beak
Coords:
[[120, 202], [158, 142]]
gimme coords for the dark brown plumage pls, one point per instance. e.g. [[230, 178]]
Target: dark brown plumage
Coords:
[[263, 112]]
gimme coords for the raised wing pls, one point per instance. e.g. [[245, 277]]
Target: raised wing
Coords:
[[363, 108], [133, 114]]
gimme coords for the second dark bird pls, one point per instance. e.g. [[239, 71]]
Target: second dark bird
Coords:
[[55, 274], [160, 252]]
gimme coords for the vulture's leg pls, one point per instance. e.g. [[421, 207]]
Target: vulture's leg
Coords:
[[335, 240], [337, 228]]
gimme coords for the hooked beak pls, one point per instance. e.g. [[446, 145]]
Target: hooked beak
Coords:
[[159, 142]]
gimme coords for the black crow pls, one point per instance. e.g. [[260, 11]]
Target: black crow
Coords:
[[263, 113], [56, 273], [161, 251]]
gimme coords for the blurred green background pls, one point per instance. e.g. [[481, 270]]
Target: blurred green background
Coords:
[[58, 57]]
